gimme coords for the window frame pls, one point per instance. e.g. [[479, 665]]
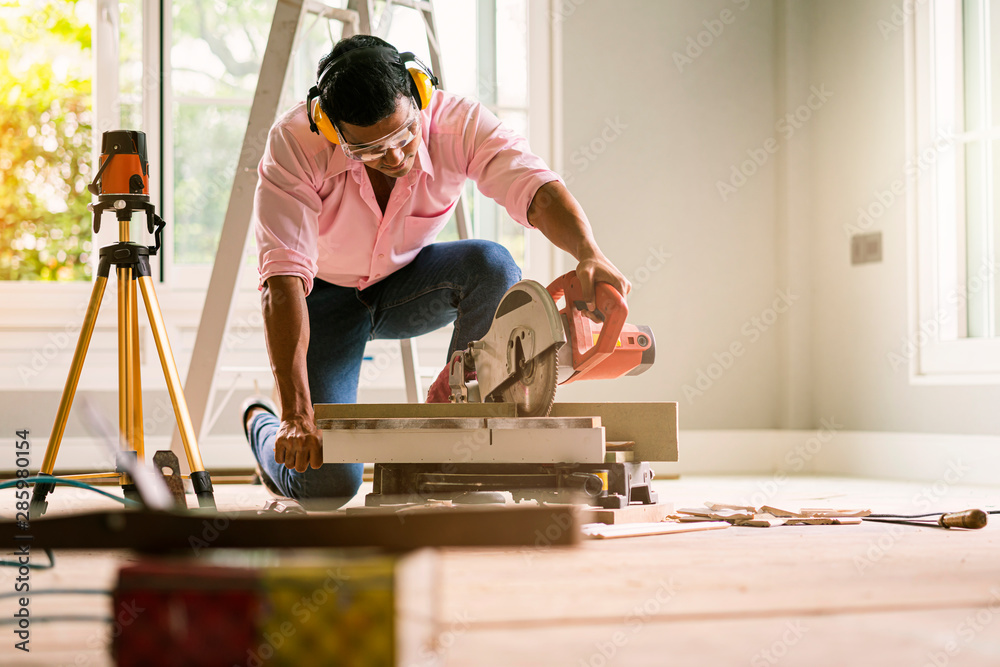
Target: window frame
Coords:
[[943, 354]]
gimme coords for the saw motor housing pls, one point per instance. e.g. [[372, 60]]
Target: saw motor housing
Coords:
[[529, 325], [601, 350]]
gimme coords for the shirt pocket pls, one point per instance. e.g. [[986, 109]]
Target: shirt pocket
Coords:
[[420, 231]]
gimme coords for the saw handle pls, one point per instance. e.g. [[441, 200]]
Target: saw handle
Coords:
[[610, 308]]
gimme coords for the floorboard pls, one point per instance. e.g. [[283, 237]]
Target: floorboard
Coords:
[[873, 594]]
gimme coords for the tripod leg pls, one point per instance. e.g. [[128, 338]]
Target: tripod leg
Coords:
[[41, 490], [200, 478], [136, 375], [126, 371]]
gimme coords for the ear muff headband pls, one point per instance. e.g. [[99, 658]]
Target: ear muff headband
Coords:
[[421, 76]]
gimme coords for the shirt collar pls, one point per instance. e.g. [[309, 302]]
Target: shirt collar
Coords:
[[422, 161]]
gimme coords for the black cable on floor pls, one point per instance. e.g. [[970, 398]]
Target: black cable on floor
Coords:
[[34, 566], [60, 619], [58, 591]]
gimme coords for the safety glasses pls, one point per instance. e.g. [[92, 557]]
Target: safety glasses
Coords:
[[375, 150]]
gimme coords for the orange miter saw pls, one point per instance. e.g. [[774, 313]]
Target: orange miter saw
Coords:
[[532, 342]]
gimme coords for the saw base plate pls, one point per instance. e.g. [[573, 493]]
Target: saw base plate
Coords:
[[606, 485]]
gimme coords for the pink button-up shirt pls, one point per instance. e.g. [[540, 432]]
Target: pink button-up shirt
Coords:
[[315, 212]]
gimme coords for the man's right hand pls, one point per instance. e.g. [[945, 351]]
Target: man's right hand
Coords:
[[299, 444]]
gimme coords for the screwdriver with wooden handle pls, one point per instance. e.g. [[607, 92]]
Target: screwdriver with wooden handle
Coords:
[[968, 519], [971, 519]]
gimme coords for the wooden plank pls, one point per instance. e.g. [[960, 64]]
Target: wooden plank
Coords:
[[402, 424], [632, 514], [413, 411], [460, 423], [502, 445], [603, 531], [543, 422], [653, 426], [157, 531]]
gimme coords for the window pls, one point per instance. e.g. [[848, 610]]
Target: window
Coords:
[[954, 144], [211, 51]]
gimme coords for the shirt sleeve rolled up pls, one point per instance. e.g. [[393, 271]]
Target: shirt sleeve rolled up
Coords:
[[501, 163], [286, 211]]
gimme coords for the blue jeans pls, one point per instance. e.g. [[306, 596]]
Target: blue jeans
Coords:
[[458, 281]]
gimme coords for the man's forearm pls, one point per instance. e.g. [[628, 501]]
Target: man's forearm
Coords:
[[286, 330], [558, 216]]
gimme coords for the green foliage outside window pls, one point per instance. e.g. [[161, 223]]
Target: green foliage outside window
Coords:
[[45, 141]]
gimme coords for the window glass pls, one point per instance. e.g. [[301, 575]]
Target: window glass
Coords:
[[512, 53], [46, 119], [217, 47], [980, 28], [133, 79]]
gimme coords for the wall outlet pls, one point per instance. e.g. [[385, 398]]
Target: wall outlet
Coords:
[[866, 248]]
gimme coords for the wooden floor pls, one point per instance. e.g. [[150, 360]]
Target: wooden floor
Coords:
[[874, 594]]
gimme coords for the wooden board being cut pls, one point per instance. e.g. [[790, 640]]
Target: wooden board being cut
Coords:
[[568, 440], [631, 514], [653, 426], [413, 410]]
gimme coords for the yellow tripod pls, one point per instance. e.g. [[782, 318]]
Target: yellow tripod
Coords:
[[131, 262]]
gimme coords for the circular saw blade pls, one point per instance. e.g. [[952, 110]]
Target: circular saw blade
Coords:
[[535, 390]]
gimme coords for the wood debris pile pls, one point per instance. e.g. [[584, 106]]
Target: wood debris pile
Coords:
[[767, 516]]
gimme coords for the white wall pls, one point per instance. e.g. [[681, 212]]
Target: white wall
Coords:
[[654, 188], [655, 185], [860, 313]]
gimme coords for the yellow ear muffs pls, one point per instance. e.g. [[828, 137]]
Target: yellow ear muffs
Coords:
[[423, 80], [424, 84], [323, 123]]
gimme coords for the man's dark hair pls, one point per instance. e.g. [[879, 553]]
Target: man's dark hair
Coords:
[[362, 92]]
